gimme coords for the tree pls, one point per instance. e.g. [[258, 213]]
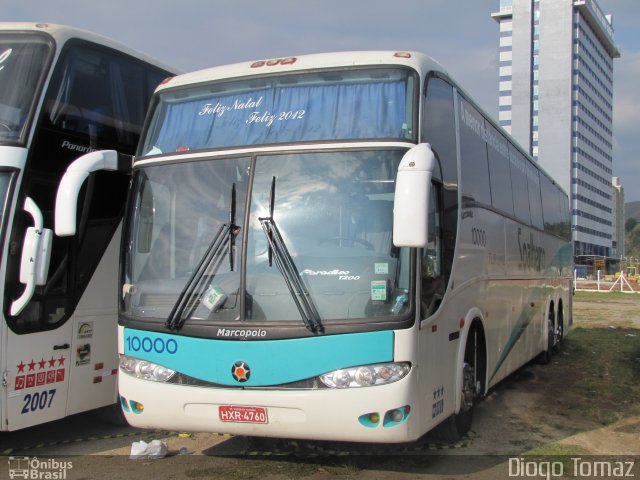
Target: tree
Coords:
[[632, 242], [630, 224]]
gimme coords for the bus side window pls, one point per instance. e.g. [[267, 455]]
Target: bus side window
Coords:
[[535, 201], [433, 282], [499, 170], [552, 207], [520, 190], [474, 181]]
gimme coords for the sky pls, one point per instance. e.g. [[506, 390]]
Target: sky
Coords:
[[460, 34]]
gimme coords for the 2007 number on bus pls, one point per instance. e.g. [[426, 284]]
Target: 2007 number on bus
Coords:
[[38, 400]]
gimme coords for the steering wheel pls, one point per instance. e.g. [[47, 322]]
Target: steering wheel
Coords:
[[368, 245]]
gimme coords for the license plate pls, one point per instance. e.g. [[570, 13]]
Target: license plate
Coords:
[[243, 414]]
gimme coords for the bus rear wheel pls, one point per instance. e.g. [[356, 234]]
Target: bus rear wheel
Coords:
[[545, 356], [559, 331]]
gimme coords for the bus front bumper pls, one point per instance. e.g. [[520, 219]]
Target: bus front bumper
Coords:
[[381, 414]]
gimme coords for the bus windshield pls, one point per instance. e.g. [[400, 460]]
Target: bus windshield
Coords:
[[307, 107], [332, 210], [23, 59]]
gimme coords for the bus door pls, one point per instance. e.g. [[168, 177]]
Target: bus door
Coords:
[[61, 349], [33, 366], [36, 348]]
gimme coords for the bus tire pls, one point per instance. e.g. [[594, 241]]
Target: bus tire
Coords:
[[545, 356], [559, 331], [473, 377]]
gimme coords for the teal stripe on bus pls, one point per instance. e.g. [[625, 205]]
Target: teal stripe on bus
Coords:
[[527, 314], [271, 362], [524, 320]]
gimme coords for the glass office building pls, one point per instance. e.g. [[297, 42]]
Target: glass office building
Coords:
[[556, 99]]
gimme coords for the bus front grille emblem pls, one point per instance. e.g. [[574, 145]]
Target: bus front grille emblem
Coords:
[[240, 371]]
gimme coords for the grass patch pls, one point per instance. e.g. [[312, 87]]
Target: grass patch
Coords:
[[557, 450], [602, 297], [598, 373]]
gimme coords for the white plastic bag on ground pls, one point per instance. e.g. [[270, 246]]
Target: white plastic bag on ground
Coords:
[[142, 450]]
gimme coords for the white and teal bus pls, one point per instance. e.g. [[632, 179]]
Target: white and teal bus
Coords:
[[63, 92], [336, 247]]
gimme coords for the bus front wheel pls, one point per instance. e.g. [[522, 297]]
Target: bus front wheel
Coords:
[[463, 419], [458, 425]]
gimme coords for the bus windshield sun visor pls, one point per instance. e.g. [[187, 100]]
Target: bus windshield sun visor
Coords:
[[288, 269], [199, 283]]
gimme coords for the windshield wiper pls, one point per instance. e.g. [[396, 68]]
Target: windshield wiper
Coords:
[[287, 267], [197, 283]]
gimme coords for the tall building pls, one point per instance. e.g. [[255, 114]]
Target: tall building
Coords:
[[556, 99], [618, 219]]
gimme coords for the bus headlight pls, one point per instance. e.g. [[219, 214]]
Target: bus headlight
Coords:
[[366, 376], [144, 369]]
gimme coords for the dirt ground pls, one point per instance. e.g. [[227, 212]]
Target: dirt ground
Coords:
[[568, 409]]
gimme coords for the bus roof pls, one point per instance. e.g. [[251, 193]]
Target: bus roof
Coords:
[[283, 65], [62, 33]]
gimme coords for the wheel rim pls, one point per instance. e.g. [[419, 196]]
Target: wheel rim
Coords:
[[468, 387], [559, 333]]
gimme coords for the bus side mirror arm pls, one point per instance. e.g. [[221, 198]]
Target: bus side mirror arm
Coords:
[[411, 199], [36, 256], [73, 179]]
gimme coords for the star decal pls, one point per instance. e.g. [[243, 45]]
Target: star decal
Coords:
[[52, 362], [61, 361], [32, 365], [21, 366], [42, 364]]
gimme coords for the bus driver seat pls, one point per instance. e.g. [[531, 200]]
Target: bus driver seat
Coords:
[[377, 225]]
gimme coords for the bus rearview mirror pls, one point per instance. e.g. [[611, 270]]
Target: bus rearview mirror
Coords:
[[411, 200], [74, 177]]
